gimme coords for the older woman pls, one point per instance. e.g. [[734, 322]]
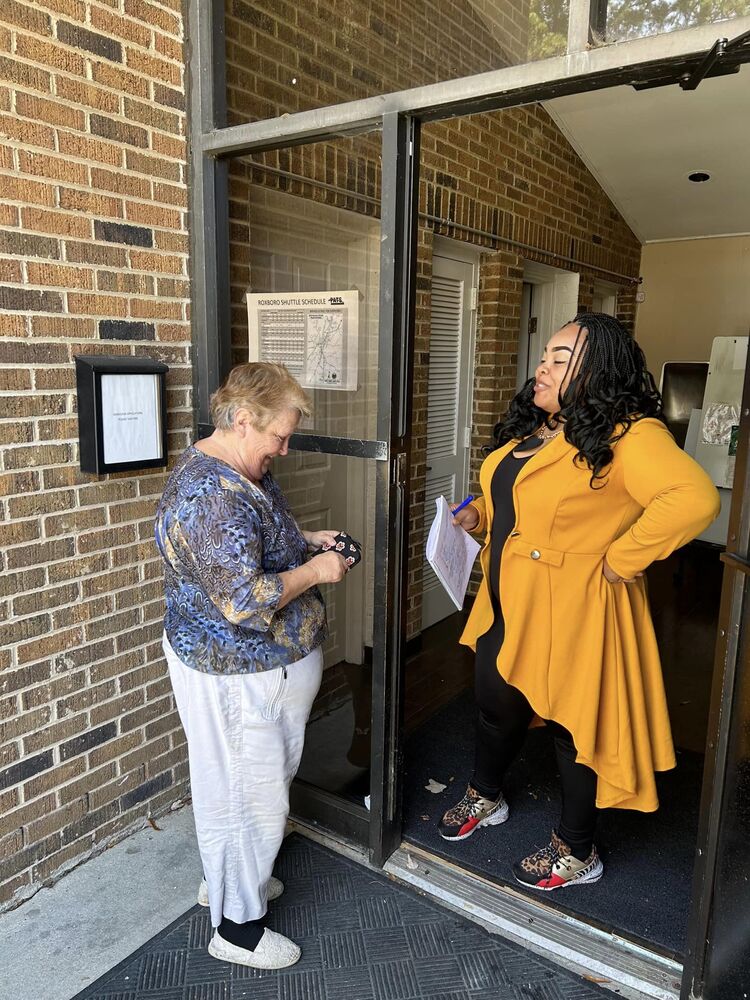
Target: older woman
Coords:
[[584, 489], [243, 628]]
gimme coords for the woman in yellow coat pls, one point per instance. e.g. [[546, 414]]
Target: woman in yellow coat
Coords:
[[585, 488]]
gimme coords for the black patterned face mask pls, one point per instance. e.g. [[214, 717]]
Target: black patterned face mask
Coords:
[[346, 546]]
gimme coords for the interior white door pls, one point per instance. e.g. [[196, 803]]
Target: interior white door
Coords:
[[448, 406], [554, 301]]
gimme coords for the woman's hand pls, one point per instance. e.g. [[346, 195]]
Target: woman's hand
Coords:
[[611, 577], [329, 567], [468, 518], [317, 539]]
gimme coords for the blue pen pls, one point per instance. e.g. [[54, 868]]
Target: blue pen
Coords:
[[463, 504]]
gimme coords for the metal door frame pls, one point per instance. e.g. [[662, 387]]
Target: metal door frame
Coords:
[[717, 810], [679, 57]]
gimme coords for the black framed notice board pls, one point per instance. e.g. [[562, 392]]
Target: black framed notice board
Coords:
[[122, 413]]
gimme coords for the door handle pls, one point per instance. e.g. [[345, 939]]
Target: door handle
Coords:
[[428, 468]]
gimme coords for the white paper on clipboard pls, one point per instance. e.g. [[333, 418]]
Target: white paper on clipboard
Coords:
[[451, 553]]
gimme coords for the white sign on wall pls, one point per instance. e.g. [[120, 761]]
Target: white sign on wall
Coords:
[[131, 418], [722, 400], [313, 333]]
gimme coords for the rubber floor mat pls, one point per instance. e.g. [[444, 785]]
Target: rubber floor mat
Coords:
[[363, 937], [648, 857]]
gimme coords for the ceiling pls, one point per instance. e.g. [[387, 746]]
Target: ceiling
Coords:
[[642, 145]]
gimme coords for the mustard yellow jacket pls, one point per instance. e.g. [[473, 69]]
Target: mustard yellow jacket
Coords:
[[582, 650]]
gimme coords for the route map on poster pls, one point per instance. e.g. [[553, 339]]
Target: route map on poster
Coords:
[[313, 333]]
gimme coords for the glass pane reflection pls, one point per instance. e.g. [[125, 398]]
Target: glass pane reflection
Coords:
[[332, 491], [620, 20], [306, 221], [295, 56]]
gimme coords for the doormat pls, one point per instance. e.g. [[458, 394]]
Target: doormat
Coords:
[[648, 857], [363, 937]]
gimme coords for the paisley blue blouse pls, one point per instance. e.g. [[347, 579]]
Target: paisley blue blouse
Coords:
[[224, 542]]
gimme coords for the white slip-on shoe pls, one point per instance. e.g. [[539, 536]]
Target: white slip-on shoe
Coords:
[[275, 889], [274, 951]]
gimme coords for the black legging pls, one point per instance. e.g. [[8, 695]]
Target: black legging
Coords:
[[504, 717]]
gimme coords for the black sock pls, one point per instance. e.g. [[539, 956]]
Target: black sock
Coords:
[[245, 935]]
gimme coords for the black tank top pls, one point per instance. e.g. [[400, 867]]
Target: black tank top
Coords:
[[504, 515], [503, 519]]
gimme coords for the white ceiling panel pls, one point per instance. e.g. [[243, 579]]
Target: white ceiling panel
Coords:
[[642, 145]]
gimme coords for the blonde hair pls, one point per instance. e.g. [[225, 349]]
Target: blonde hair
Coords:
[[264, 389]]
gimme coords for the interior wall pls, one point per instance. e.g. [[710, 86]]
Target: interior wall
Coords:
[[694, 290]]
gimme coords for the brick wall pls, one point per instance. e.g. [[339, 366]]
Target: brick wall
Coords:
[[93, 260]]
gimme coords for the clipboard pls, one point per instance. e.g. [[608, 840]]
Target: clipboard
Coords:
[[451, 553]]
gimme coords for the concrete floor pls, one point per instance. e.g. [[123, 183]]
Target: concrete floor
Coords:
[[67, 936]]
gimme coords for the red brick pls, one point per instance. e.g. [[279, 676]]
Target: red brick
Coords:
[[53, 167], [58, 642], [60, 326], [152, 166], [118, 79], [122, 183], [64, 224], [87, 95], [84, 147], [146, 260], [14, 326], [31, 77], [27, 132], [97, 305], [153, 14], [120, 27], [57, 114], [153, 66], [58, 275], [70, 569], [50, 54], [90, 202], [169, 47], [11, 273], [24, 16], [74, 9]]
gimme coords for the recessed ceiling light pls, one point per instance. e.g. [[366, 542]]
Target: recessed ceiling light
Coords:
[[699, 176]]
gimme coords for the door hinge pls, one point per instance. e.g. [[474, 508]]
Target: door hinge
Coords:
[[532, 325], [473, 296], [398, 469], [467, 437]]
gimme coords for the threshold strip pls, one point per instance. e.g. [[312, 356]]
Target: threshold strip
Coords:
[[613, 961], [617, 964]]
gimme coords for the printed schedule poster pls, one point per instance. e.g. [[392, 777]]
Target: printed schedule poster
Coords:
[[313, 333], [131, 418]]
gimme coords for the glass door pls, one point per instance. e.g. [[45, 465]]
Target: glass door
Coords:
[[320, 264]]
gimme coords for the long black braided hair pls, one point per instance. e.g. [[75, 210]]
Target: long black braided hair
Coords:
[[612, 388]]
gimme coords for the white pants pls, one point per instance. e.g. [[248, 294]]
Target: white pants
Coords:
[[245, 735]]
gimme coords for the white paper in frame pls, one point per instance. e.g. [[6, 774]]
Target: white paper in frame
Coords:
[[131, 417], [315, 334]]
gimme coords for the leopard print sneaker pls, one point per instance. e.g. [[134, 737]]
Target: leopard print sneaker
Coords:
[[555, 867], [470, 813]]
